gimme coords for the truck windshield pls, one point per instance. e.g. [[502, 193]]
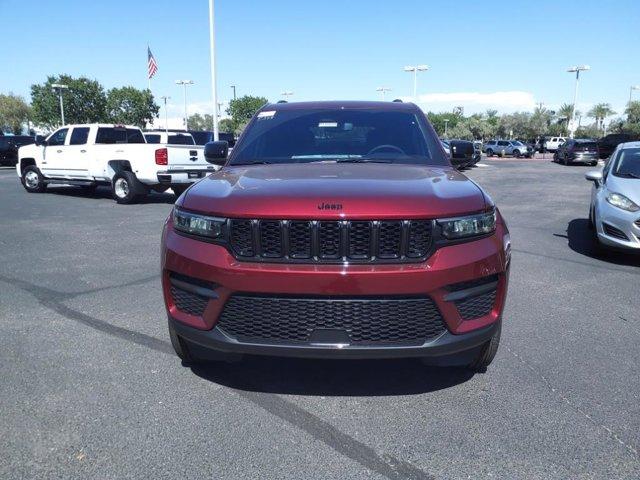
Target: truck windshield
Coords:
[[357, 135]]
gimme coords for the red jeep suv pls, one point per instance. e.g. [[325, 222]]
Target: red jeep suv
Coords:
[[336, 230]]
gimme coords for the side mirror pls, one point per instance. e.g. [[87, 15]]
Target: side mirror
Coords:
[[216, 152], [41, 141], [594, 176]]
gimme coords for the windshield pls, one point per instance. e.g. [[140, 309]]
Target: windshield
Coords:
[[304, 136], [628, 163]]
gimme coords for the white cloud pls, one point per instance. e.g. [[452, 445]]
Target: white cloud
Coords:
[[477, 102]]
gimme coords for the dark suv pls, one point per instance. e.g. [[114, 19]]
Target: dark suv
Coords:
[[336, 230], [579, 150], [9, 145], [608, 143]]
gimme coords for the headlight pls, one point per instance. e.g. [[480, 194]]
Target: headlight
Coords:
[[195, 224], [620, 201], [470, 226]]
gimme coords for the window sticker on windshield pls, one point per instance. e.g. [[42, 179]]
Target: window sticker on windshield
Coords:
[[327, 124], [267, 114]]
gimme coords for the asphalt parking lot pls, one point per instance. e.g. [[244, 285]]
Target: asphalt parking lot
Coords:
[[90, 387]]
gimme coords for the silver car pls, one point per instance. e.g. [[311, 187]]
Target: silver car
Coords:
[[615, 199], [506, 147]]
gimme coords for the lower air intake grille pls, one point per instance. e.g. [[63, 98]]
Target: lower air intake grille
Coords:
[[614, 232], [188, 302], [476, 307], [366, 321]]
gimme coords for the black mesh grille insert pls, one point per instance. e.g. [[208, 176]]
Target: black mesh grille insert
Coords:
[[188, 302], [242, 238], [359, 239], [329, 239], [270, 238], [300, 239], [356, 241], [419, 238], [390, 238], [366, 321], [476, 307]]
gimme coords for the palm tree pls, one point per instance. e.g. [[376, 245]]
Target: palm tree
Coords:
[[599, 112], [565, 112]]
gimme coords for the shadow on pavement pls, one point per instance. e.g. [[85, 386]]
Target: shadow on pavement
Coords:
[[582, 240], [102, 193], [332, 377]]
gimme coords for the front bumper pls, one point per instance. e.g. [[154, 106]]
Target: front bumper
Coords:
[[627, 223], [455, 264]]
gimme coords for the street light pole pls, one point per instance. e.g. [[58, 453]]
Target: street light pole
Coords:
[[184, 84], [577, 69], [214, 88], [384, 90], [166, 119], [446, 122], [58, 87], [631, 89], [415, 69], [234, 91]]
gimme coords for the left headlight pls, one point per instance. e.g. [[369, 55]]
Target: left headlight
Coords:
[[469, 226], [620, 201], [196, 224]]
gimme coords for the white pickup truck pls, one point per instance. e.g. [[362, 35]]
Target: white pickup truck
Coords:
[[114, 155]]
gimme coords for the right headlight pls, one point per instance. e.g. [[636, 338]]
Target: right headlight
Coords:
[[197, 224], [468, 226], [620, 201]]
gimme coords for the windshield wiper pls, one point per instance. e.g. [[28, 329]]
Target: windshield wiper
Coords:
[[628, 174], [257, 162], [364, 160]]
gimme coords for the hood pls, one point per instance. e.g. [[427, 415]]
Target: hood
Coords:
[[330, 190]]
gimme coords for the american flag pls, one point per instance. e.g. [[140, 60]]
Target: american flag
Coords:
[[153, 66]]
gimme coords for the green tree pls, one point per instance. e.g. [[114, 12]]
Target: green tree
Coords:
[[201, 122], [14, 112], [241, 109], [633, 112], [226, 125], [599, 112], [131, 106], [84, 101]]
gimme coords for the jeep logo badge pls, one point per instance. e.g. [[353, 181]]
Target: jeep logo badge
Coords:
[[330, 206]]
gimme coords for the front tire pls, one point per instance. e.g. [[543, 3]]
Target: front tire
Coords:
[[489, 152], [124, 188], [32, 180], [179, 189], [488, 352], [516, 153]]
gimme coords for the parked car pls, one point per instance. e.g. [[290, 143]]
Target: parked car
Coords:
[[204, 137], [614, 214], [608, 143], [114, 155], [462, 153], [9, 145], [168, 137], [553, 143], [578, 150], [336, 230], [507, 147]]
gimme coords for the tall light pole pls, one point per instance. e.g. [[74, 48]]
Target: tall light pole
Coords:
[[184, 84], [577, 69], [166, 119], [58, 88], [286, 94], [415, 69], [214, 88], [234, 91], [446, 122], [631, 89], [384, 90]]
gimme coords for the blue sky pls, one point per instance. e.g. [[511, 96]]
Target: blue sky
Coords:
[[506, 54]]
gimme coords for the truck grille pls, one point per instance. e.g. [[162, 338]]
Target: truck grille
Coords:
[[307, 241], [364, 321]]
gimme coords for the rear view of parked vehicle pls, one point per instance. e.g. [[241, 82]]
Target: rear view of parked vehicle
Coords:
[[577, 150], [614, 214], [608, 143]]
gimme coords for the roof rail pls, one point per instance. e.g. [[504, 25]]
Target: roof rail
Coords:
[[398, 100]]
